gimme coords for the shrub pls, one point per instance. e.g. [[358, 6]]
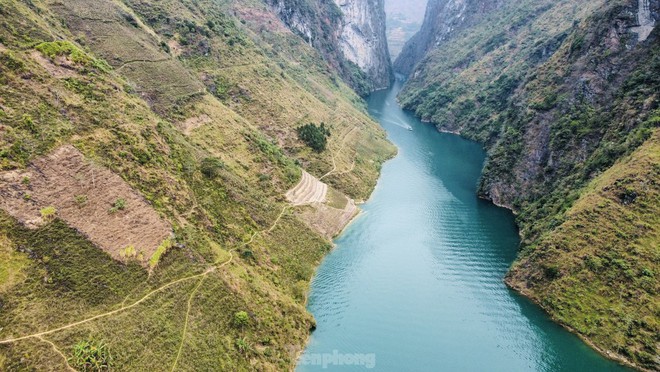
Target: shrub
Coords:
[[91, 356], [551, 272], [48, 213], [242, 345], [128, 252], [211, 167], [52, 49], [241, 319], [118, 205], [314, 136], [81, 200]]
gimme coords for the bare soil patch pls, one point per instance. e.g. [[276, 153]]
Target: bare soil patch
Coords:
[[60, 68], [325, 210], [267, 20], [90, 198], [195, 122], [329, 221]]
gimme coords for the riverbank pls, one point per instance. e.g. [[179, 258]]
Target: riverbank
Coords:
[[417, 281]]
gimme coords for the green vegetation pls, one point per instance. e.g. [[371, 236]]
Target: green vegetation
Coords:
[[160, 251], [81, 200], [555, 124], [90, 356], [211, 167], [315, 136], [129, 252], [598, 267], [241, 319], [200, 177], [48, 213], [69, 50], [118, 205]]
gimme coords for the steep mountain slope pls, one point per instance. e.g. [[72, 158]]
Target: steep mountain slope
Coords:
[[559, 91], [349, 33], [191, 108]]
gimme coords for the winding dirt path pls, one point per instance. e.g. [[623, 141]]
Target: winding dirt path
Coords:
[[55, 349], [185, 324], [202, 275], [335, 154]]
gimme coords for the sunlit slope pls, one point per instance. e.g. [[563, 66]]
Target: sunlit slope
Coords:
[[150, 107]]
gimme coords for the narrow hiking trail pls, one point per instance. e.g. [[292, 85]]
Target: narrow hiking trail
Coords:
[[211, 269], [56, 350], [335, 154]]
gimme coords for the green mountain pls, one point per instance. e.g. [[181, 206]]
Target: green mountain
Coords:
[[564, 95], [145, 148]]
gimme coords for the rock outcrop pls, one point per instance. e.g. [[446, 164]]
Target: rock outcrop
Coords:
[[363, 40], [350, 34]]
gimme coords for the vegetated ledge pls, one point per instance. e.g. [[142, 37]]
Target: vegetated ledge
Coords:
[[608, 241], [606, 353]]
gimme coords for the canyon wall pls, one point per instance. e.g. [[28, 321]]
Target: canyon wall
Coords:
[[350, 34]]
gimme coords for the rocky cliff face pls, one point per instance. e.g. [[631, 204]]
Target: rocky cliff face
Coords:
[[443, 19], [363, 40], [350, 34]]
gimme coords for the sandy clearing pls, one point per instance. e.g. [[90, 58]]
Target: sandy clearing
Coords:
[[83, 195], [195, 122]]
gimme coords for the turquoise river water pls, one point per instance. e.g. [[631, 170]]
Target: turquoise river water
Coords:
[[416, 281]]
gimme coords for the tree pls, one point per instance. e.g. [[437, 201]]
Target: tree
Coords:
[[314, 136], [211, 167]]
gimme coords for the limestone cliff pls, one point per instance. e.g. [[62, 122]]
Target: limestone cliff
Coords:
[[363, 39], [443, 18], [350, 34]]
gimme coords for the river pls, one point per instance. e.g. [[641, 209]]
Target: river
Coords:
[[416, 281]]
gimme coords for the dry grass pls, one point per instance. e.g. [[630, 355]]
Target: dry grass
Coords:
[[92, 199]]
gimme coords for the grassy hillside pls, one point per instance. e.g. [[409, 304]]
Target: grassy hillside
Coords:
[[558, 94], [597, 271], [196, 109]]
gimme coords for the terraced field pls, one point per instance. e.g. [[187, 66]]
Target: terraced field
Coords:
[[323, 209], [309, 191]]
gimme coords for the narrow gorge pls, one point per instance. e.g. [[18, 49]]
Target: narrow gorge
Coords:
[[243, 185], [349, 33]]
